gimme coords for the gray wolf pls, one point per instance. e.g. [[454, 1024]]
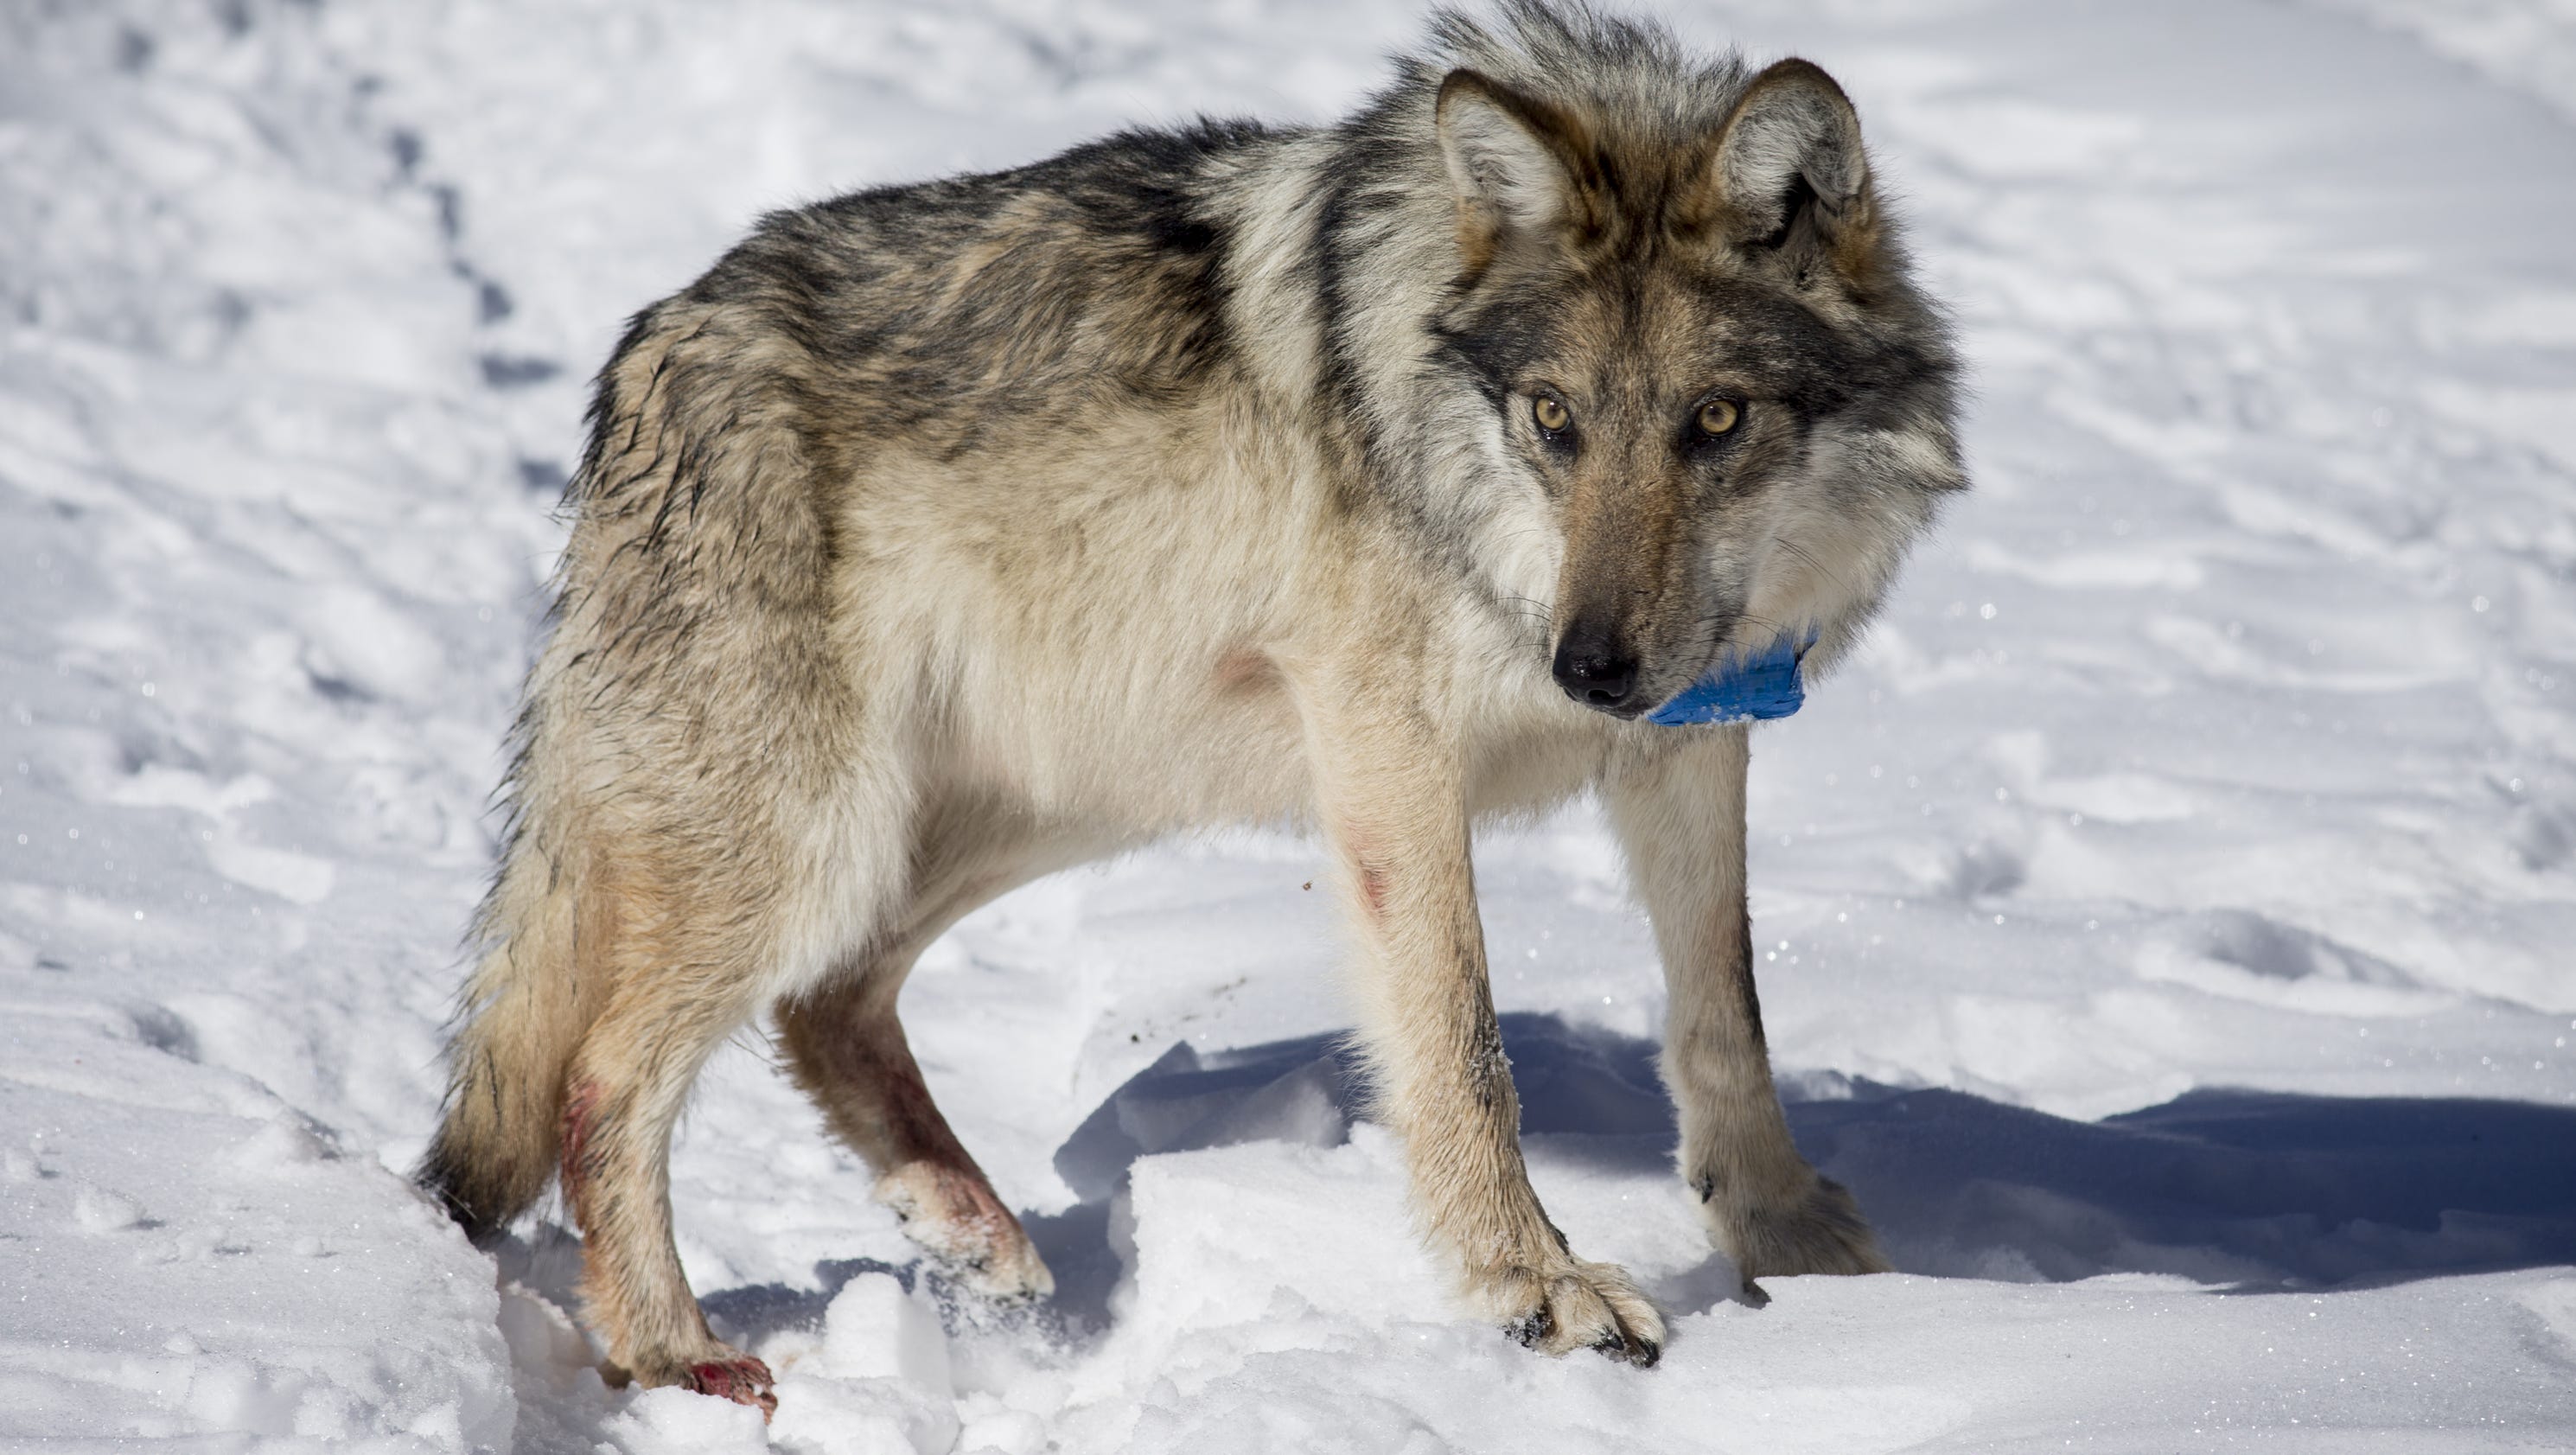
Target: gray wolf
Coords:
[[1374, 477]]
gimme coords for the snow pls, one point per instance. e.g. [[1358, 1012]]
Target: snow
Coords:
[[2168, 925]]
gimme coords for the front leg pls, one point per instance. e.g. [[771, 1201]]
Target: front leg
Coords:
[[1391, 792], [1679, 814]]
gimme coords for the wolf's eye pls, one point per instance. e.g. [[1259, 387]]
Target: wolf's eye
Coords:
[[1718, 416], [1550, 414]]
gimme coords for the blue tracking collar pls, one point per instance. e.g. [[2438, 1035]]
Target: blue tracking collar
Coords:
[[1764, 685]]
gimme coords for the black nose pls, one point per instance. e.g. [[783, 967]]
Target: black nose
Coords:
[[1595, 670]]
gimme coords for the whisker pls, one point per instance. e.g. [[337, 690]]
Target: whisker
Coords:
[[1808, 556]]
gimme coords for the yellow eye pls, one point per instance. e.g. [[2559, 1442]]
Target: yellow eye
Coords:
[[1550, 413], [1718, 416]]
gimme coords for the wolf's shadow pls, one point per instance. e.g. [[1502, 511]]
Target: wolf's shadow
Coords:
[[2246, 1191], [2249, 1191]]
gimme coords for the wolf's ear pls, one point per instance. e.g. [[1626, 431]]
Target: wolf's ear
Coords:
[[1512, 163], [1787, 173]]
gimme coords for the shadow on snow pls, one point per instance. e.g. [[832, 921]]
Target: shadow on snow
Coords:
[[2248, 1191]]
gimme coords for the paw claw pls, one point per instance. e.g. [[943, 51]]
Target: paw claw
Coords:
[[1568, 1304], [1531, 1329], [1627, 1348]]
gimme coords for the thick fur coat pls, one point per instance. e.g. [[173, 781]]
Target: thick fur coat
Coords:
[[1373, 477]]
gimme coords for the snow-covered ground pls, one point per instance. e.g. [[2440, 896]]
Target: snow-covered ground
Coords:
[[2168, 927]]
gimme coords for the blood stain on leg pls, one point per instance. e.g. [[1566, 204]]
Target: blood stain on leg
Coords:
[[580, 1121]]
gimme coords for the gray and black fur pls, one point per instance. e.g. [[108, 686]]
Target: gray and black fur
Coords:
[[1376, 478]]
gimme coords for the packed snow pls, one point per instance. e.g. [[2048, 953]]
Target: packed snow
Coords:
[[2168, 925]]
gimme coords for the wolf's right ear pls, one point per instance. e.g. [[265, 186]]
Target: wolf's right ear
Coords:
[[1513, 163]]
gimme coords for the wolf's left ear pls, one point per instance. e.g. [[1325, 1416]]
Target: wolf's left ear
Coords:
[[1787, 173], [1513, 163]]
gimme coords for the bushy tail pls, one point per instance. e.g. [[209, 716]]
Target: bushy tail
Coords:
[[526, 1010]]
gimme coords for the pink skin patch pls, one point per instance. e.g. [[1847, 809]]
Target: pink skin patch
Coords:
[[744, 1381], [1373, 890], [968, 1222], [581, 1117], [1372, 878], [1244, 670]]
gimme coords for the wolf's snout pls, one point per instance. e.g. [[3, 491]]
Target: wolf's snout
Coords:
[[1595, 670]]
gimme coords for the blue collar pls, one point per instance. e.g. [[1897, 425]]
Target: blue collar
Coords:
[[1764, 685]]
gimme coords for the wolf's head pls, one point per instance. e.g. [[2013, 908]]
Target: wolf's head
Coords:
[[1707, 405]]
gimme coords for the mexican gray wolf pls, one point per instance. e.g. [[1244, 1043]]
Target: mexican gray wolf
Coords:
[[1375, 477]]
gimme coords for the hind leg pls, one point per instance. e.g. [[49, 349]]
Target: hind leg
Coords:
[[848, 1051], [692, 931], [1680, 819], [626, 1087]]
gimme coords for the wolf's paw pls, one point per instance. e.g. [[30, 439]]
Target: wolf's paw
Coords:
[[717, 1369], [1819, 1229], [954, 1216], [740, 1378], [1570, 1304]]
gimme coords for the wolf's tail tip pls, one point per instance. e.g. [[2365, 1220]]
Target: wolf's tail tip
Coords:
[[447, 1185]]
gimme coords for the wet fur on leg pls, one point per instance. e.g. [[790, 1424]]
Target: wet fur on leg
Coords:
[[1820, 1231]]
